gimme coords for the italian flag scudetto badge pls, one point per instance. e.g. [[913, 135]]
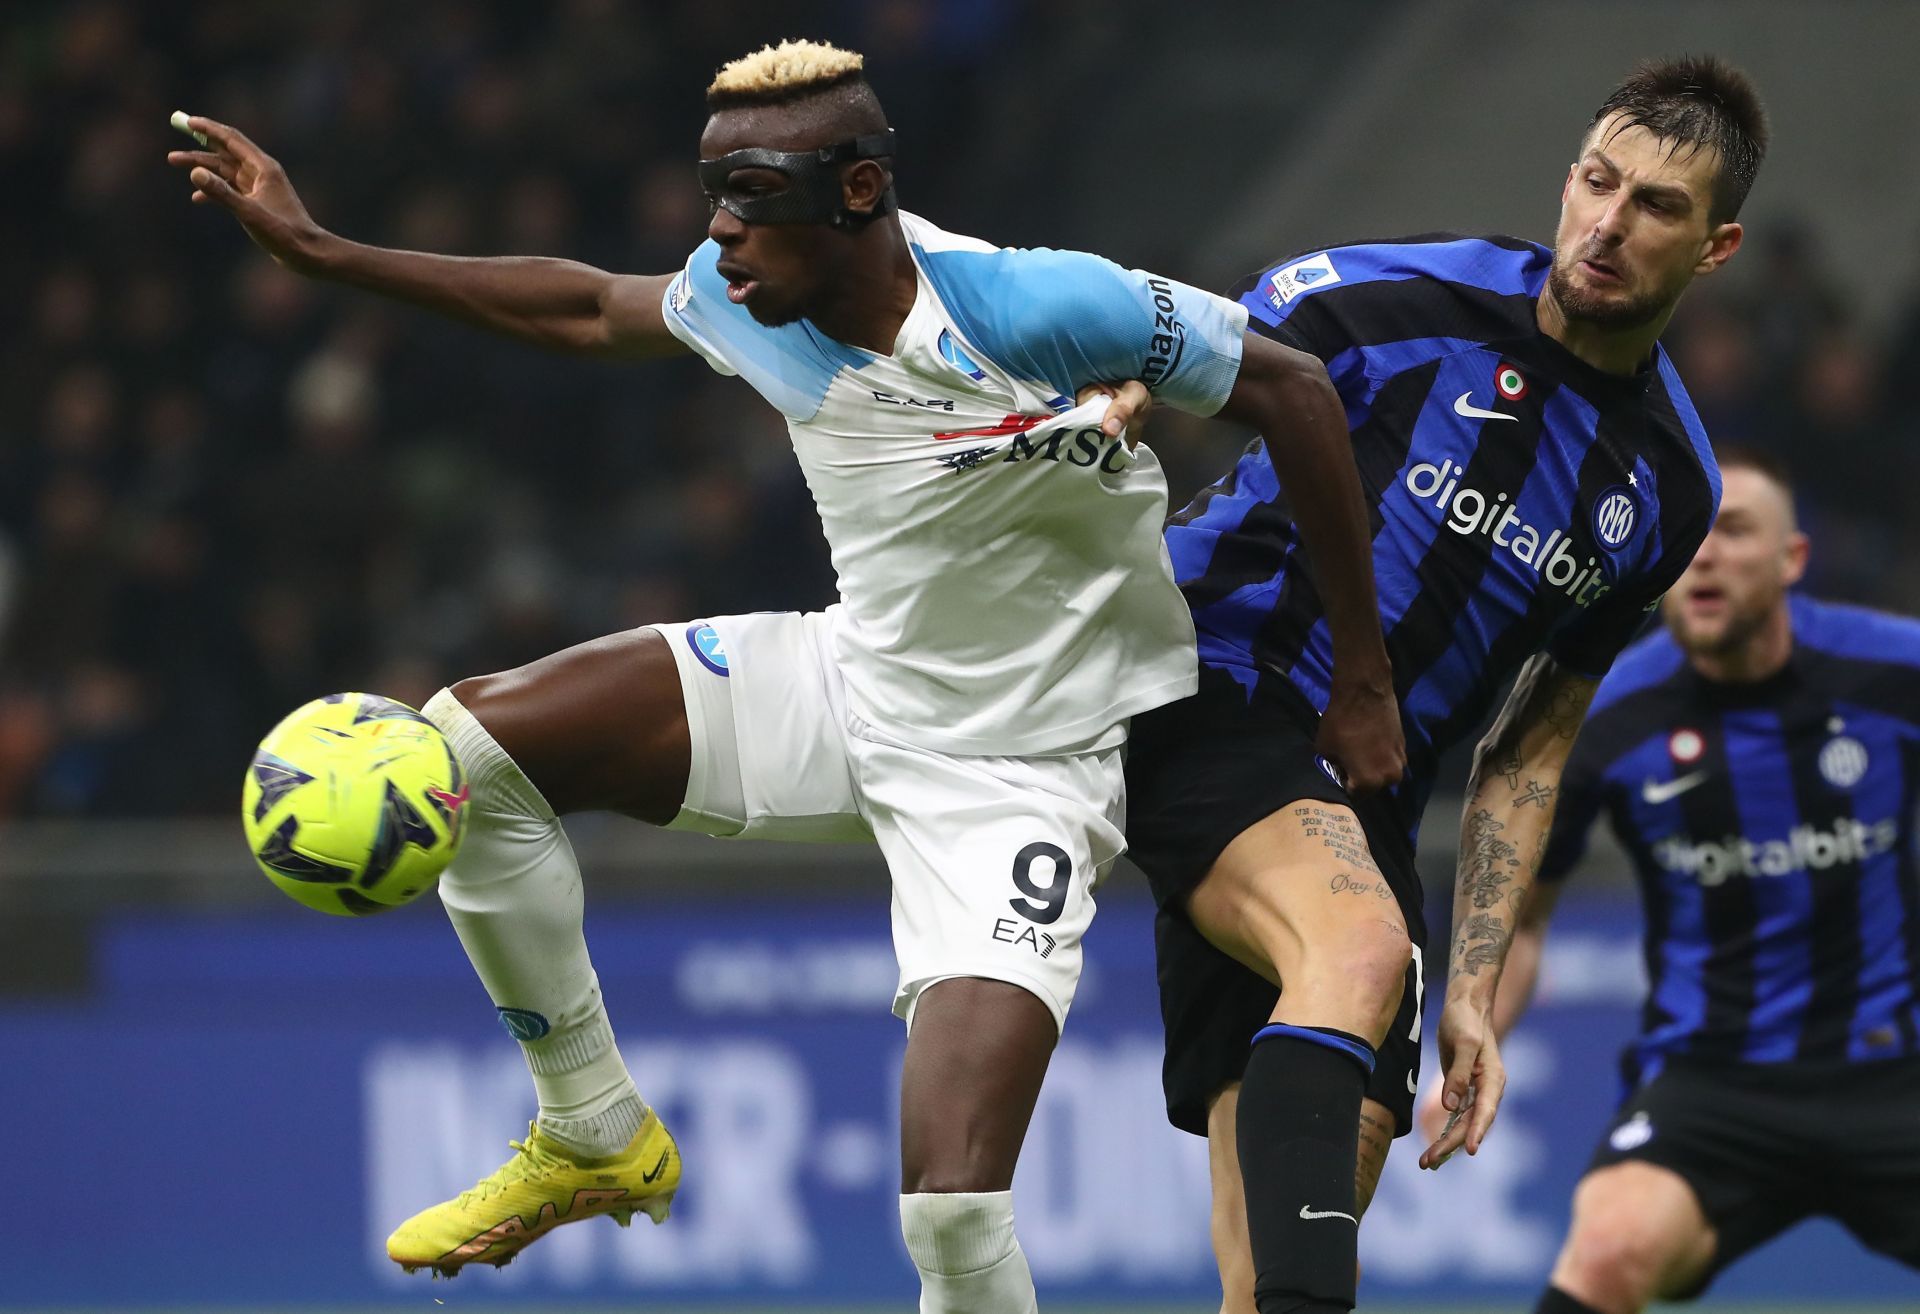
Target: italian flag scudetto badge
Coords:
[[1510, 382]]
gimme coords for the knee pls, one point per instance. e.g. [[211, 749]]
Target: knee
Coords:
[[967, 1163], [1365, 957], [476, 691], [1613, 1258], [951, 1234]]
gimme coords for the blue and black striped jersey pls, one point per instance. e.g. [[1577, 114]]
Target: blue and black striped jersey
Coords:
[[1771, 826], [1522, 501]]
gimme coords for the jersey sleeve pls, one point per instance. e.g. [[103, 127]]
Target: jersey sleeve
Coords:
[[1068, 319], [1589, 645], [1574, 813], [1347, 303], [1277, 306], [786, 365]]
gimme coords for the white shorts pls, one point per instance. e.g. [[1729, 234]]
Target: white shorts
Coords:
[[994, 860]]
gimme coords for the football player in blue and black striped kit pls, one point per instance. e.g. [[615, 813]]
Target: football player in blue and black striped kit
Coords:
[[1537, 479], [1759, 762]]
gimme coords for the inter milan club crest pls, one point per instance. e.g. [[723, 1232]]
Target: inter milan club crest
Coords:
[[1615, 513], [1509, 382], [1843, 762], [1686, 747]]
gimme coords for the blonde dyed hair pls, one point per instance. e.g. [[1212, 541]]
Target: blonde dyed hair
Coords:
[[784, 72]]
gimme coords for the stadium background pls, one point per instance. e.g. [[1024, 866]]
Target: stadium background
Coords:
[[224, 491]]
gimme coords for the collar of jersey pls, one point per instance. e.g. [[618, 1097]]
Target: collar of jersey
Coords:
[[1590, 382]]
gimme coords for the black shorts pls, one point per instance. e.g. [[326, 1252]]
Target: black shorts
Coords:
[[1199, 772], [1765, 1145]]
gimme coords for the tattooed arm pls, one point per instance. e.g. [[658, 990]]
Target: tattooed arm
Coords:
[[1522, 970], [1509, 811]]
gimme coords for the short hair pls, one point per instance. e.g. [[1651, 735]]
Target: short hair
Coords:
[[1737, 456], [792, 70], [1704, 103]]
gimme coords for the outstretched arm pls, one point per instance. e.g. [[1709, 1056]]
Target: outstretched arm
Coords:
[[1509, 811], [558, 304], [1286, 395], [1511, 1000]]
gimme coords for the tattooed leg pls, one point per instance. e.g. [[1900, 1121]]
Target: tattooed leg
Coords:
[[1299, 898]]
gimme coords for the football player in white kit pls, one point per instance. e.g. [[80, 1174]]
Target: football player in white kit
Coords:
[[1006, 605]]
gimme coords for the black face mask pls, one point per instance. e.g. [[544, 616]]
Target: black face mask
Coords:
[[812, 194]]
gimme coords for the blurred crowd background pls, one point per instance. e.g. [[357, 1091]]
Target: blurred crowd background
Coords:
[[224, 490]]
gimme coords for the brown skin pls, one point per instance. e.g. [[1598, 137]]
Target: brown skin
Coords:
[[858, 287], [855, 286], [1638, 1232], [603, 725]]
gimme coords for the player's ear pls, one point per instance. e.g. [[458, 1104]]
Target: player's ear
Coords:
[[1797, 550], [1722, 241], [862, 185]]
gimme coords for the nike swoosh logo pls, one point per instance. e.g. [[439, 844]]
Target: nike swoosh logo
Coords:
[[1411, 1088], [658, 1168], [1311, 1214], [1461, 406], [1656, 793]]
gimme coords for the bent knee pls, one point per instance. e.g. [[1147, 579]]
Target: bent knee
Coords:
[[952, 1234], [1635, 1238], [1368, 956]]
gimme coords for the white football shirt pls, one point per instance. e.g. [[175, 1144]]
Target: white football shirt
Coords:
[[1004, 585]]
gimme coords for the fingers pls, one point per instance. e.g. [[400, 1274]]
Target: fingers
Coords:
[[1131, 403], [1363, 771], [1485, 1107], [1130, 406], [223, 165], [227, 138], [212, 187], [1452, 1136], [1458, 1086]]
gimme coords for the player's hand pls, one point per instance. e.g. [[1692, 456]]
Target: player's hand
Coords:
[[1474, 1078], [1360, 734], [1128, 414], [234, 174]]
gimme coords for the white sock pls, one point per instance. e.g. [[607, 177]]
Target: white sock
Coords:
[[964, 1247], [513, 893]]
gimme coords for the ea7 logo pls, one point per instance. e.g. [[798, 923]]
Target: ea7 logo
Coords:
[[1008, 931]]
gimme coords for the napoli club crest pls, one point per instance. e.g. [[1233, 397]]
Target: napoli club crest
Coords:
[[707, 648]]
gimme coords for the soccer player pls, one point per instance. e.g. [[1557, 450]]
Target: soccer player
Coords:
[[1537, 479], [1007, 605], [1757, 761]]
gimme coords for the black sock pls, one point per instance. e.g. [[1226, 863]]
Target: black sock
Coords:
[[1299, 1135], [1555, 1301]]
